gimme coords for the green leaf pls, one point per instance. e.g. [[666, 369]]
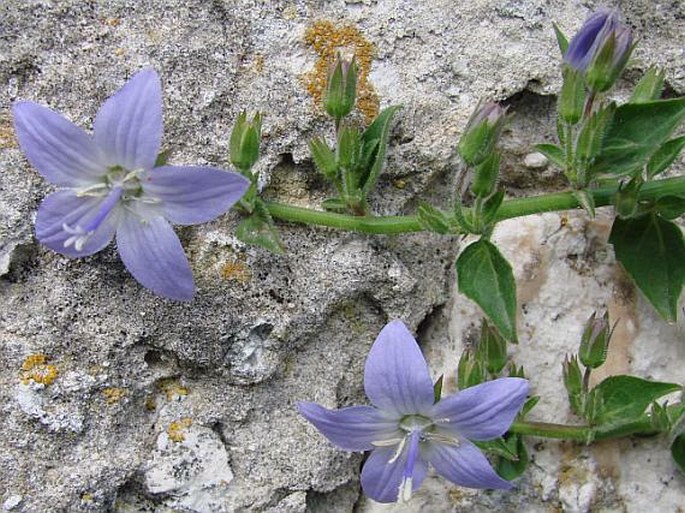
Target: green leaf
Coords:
[[652, 251], [670, 207], [511, 469], [437, 389], [636, 132], [678, 452], [530, 403], [259, 229], [162, 158], [664, 156], [649, 87], [499, 447], [553, 153], [433, 219], [378, 133], [485, 277], [623, 398]]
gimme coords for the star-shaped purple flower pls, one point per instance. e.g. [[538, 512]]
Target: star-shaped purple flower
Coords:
[[112, 187], [407, 431]]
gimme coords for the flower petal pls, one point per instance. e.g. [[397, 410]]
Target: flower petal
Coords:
[[66, 208], [352, 429], [464, 465], [484, 411], [383, 474], [128, 127], [396, 377], [61, 152], [584, 44], [153, 254], [194, 195]]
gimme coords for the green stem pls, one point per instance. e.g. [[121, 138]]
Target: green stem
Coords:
[[642, 425], [511, 208]]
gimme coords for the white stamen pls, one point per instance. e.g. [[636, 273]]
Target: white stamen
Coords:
[[405, 491], [398, 452], [78, 238], [443, 439], [93, 190], [387, 443]]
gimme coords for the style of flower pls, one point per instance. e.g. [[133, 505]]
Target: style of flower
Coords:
[[407, 431], [111, 186]]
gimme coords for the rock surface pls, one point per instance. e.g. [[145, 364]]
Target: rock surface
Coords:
[[141, 404]]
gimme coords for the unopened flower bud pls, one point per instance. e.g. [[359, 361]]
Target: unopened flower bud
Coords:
[[600, 49], [573, 382], [594, 342], [341, 90], [492, 349], [244, 144], [469, 370], [481, 133]]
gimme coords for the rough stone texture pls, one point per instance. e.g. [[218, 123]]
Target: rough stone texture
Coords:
[[151, 396]]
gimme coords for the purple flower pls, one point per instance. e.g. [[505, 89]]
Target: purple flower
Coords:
[[407, 431], [110, 186]]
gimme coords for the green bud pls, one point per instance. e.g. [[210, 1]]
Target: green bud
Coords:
[[594, 343], [573, 382], [626, 198], [469, 371], [324, 158], [481, 133], [610, 59], [244, 143], [492, 349], [572, 97], [341, 90], [485, 176], [649, 87]]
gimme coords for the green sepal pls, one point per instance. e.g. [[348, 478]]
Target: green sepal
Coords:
[[638, 130], [485, 175], [244, 142], [437, 389], [665, 156], [670, 207], [562, 40], [512, 468], [530, 403], [572, 96], [469, 370], [620, 399], [594, 342], [377, 135], [491, 351], [324, 158], [498, 447], [573, 382], [259, 229], [162, 158], [554, 153], [490, 209], [649, 87], [485, 277], [433, 219], [652, 251]]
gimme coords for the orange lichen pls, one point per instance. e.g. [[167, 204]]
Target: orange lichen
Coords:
[[172, 388], [236, 270], [176, 429], [37, 369], [327, 40], [113, 395], [7, 138]]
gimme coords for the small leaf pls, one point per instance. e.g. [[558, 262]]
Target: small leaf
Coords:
[[485, 277], [623, 398], [259, 229], [562, 41], [670, 207], [586, 200], [553, 153], [511, 469], [664, 156], [530, 403], [499, 447], [649, 87], [652, 251], [162, 158], [378, 131], [678, 452], [433, 219], [636, 132]]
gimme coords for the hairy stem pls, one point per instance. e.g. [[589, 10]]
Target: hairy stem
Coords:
[[587, 434], [511, 208]]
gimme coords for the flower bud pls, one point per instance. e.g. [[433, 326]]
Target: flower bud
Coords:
[[341, 90], [481, 133], [600, 49], [492, 349], [573, 382], [594, 342], [469, 370], [244, 144]]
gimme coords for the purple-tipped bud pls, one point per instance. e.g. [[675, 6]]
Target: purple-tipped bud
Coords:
[[341, 89], [481, 133], [600, 49], [594, 342]]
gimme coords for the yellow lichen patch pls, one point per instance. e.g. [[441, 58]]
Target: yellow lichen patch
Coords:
[[7, 138], [87, 497], [399, 183], [327, 40], [36, 368], [235, 270], [112, 22], [172, 388], [176, 429], [113, 395]]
